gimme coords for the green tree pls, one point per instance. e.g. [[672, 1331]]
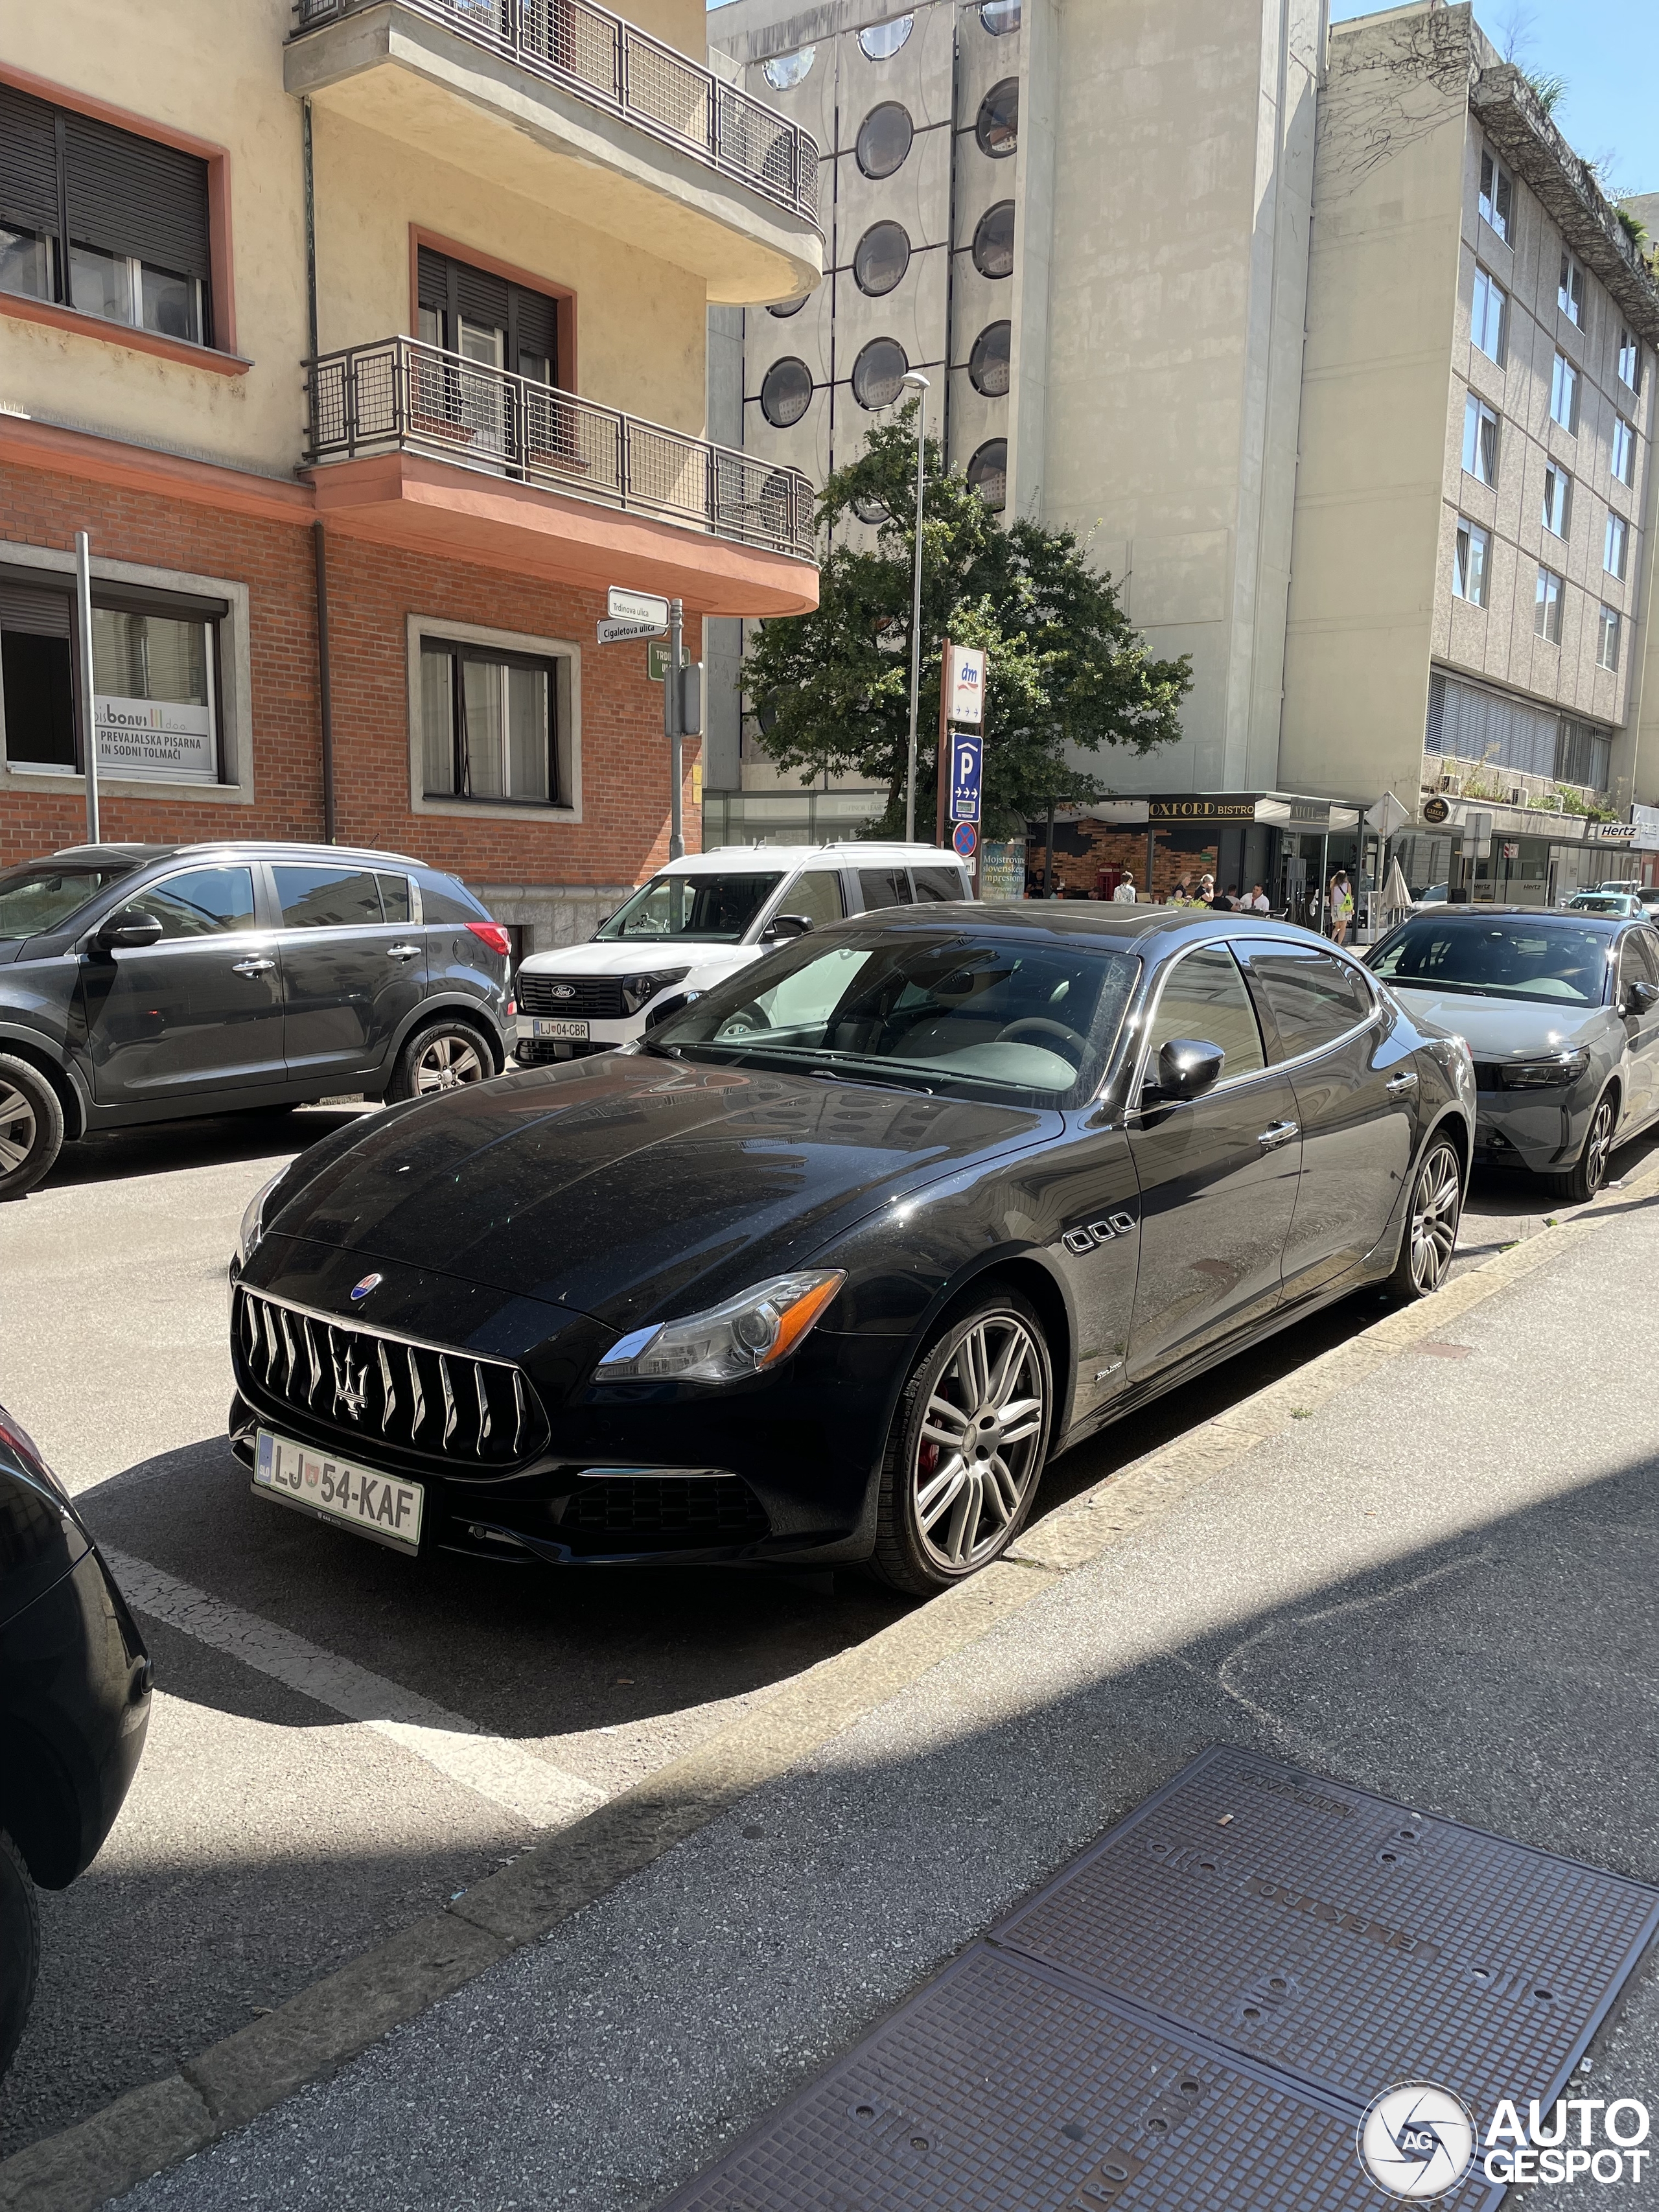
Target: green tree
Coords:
[[1066, 673]]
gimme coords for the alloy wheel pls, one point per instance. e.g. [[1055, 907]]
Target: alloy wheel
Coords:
[[18, 1129], [1597, 1147], [978, 1452], [446, 1063], [1436, 1210]]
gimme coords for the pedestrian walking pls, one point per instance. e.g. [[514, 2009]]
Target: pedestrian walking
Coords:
[[1340, 907], [1124, 894]]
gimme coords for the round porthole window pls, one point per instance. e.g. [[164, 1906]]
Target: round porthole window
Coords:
[[878, 371], [784, 309], [883, 139], [997, 128], [871, 510], [987, 364], [883, 40], [994, 242], [987, 473], [785, 392], [881, 257], [1000, 16], [784, 71]]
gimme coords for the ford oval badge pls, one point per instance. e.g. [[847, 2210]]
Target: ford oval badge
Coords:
[[361, 1290]]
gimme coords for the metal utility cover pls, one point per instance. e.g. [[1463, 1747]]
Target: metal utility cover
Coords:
[[1196, 2011]]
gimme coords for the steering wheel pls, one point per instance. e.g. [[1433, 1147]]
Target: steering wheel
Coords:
[[745, 1022], [1069, 1039]]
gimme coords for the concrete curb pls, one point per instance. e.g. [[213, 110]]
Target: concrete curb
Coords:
[[328, 2024]]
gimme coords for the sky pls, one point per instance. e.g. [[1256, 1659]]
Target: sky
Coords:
[[1608, 52]]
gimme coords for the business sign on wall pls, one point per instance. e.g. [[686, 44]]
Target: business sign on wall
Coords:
[[160, 738], [967, 693]]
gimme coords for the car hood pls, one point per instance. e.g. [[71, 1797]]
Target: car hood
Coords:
[[1504, 1028], [635, 956], [632, 1188]]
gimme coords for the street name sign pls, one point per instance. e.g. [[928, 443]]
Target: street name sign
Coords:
[[619, 633], [637, 607]]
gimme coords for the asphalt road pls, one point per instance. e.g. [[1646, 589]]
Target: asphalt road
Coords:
[[285, 1817]]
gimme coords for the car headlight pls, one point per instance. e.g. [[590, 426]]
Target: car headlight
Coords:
[[254, 1219], [1542, 1074], [638, 991], [745, 1336]]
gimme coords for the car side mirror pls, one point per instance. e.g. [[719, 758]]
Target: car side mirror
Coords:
[[1187, 1068], [666, 1009], [1638, 997], [129, 926], [784, 925]]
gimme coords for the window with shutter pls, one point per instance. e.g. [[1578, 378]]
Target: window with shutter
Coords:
[[102, 220], [486, 317]]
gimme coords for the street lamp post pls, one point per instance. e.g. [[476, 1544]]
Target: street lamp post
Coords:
[[919, 383]]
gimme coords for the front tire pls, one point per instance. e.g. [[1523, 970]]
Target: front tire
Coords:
[[1590, 1171], [1430, 1237], [966, 1449], [20, 1947], [443, 1056], [31, 1126]]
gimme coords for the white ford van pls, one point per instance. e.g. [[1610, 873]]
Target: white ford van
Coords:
[[700, 919]]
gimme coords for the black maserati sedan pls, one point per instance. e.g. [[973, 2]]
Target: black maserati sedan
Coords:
[[75, 1697], [830, 1263]]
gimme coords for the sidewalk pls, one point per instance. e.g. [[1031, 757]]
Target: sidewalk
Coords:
[[1434, 1579]]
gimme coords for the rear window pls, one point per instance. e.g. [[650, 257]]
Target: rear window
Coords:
[[442, 899], [35, 899], [1311, 997], [883, 887], [326, 898], [936, 885]]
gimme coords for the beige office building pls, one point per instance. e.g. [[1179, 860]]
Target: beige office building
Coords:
[[1263, 275]]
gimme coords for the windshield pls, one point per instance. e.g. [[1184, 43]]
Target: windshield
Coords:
[[1514, 958], [966, 1013], [41, 897], [715, 909]]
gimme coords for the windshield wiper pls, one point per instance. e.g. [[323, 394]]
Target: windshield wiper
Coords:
[[869, 1082]]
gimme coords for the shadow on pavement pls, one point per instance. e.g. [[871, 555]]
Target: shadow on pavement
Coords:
[[171, 1147]]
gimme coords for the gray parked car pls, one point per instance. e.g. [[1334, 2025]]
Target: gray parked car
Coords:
[[1561, 1013], [152, 982]]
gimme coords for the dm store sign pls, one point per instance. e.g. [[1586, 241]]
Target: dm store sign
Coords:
[[162, 737]]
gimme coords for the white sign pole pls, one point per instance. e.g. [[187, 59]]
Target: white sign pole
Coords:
[[85, 714], [672, 719]]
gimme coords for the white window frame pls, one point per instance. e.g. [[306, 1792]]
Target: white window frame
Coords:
[[531, 814], [1616, 538], [1465, 569], [1556, 516], [233, 696], [1609, 638], [1569, 289], [1621, 452], [1547, 606], [1629, 356], [134, 319], [1484, 281], [1496, 203], [1477, 415], [1564, 387]]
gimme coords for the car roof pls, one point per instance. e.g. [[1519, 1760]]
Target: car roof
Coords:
[[749, 860], [1132, 928], [285, 849], [1468, 913]]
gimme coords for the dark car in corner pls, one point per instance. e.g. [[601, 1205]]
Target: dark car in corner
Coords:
[[1561, 1010], [142, 983], [74, 1695], [828, 1265]]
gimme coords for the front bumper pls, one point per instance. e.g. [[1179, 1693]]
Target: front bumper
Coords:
[[1541, 1131], [532, 1049]]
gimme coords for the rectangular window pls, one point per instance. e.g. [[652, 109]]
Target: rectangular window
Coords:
[[1607, 638], [1479, 440], [1558, 500], [137, 249], [1546, 613], [1564, 394], [329, 898], [1623, 451], [1469, 562], [490, 725], [1584, 754], [1489, 315], [1570, 293], [486, 317], [1497, 196], [1615, 549], [1630, 359]]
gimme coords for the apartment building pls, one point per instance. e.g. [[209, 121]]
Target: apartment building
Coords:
[[1471, 567], [367, 340]]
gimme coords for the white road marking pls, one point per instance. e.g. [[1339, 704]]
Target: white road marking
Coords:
[[548, 1797]]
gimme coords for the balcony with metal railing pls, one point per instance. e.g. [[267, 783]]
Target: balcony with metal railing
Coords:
[[415, 444], [700, 173]]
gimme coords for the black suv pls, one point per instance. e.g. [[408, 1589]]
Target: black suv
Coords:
[[151, 982]]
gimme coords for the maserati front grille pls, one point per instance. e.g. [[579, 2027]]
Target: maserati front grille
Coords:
[[366, 1385]]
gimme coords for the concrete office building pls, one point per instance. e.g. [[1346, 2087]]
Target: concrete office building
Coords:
[[1240, 361]]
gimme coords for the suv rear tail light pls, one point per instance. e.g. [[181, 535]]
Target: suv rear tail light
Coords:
[[493, 935]]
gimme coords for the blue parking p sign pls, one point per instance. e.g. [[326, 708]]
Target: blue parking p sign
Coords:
[[966, 753]]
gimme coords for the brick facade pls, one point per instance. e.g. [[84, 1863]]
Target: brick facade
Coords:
[[372, 589]]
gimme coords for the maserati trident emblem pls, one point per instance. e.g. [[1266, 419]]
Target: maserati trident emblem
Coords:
[[350, 1384], [361, 1290]]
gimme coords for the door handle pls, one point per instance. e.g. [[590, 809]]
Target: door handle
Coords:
[[1280, 1133], [252, 967], [1398, 1085], [403, 951]]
